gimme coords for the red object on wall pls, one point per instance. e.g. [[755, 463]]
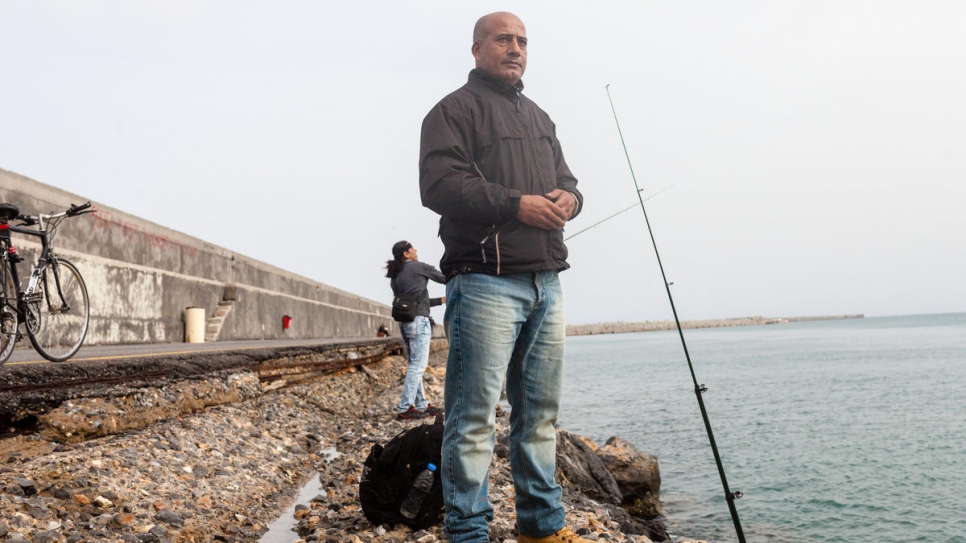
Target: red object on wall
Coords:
[[286, 322]]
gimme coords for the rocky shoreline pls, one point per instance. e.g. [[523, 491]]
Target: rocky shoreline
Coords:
[[235, 453]]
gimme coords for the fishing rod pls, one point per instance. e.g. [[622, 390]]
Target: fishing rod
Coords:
[[698, 389], [632, 206]]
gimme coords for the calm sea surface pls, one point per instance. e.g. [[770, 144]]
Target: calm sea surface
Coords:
[[845, 430]]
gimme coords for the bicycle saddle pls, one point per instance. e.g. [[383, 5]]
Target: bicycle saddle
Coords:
[[8, 212]]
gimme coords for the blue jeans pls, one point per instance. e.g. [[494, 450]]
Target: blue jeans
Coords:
[[500, 327], [416, 335]]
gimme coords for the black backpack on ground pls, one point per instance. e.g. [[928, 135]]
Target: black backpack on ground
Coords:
[[389, 472]]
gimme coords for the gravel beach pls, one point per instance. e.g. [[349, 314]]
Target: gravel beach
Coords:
[[229, 461]]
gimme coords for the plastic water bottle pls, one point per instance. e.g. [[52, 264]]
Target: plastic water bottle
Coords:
[[421, 485]]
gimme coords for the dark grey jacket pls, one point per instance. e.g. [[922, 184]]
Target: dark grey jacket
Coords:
[[412, 279], [482, 148]]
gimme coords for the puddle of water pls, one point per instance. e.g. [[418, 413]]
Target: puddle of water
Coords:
[[282, 529]]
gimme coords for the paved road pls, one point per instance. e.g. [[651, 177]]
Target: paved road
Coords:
[[24, 354]]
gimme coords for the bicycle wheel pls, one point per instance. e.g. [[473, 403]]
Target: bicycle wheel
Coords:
[[8, 317], [58, 312]]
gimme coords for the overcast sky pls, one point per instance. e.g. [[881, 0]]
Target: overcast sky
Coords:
[[811, 154]]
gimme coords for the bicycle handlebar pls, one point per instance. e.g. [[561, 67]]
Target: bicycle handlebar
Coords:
[[72, 211], [79, 210]]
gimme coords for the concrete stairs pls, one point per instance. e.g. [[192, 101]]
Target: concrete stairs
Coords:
[[216, 321]]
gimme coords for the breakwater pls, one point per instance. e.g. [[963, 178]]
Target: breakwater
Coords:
[[142, 277], [621, 327]]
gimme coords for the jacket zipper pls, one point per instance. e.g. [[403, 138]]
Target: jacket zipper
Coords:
[[496, 241], [495, 232]]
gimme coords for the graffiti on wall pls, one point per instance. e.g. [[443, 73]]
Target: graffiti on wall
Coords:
[[105, 220]]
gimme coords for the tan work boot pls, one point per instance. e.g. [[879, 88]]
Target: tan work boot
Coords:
[[563, 535]]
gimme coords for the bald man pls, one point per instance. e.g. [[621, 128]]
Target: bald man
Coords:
[[491, 166]]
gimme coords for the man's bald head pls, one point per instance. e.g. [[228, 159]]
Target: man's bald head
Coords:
[[480, 29], [500, 46]]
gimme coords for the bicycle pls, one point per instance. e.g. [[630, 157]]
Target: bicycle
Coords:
[[54, 307]]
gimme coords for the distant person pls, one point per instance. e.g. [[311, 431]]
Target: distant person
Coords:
[[490, 164], [407, 275], [382, 331]]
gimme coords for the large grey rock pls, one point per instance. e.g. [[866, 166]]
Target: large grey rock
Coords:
[[580, 467], [170, 517], [637, 476], [28, 487]]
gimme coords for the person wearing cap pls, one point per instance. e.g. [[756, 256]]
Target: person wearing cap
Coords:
[[491, 166], [407, 275]]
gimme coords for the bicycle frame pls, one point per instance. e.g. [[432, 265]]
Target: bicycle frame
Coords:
[[42, 262]]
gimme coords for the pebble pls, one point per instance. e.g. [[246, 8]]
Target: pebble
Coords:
[[223, 473]]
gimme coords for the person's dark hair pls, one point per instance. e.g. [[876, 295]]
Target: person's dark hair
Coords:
[[394, 266]]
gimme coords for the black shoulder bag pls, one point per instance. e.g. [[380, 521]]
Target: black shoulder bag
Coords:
[[404, 307]]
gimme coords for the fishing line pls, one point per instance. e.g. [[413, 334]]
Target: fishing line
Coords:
[[632, 206], [730, 496]]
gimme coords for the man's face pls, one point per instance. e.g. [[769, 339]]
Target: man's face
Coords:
[[503, 52]]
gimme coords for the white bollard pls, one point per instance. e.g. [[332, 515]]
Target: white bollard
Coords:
[[194, 325]]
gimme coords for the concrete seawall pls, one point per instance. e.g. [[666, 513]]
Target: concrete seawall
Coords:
[[142, 276]]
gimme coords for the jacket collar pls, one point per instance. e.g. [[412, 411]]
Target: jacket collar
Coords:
[[495, 84]]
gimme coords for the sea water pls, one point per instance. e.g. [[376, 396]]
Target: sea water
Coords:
[[840, 430]]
